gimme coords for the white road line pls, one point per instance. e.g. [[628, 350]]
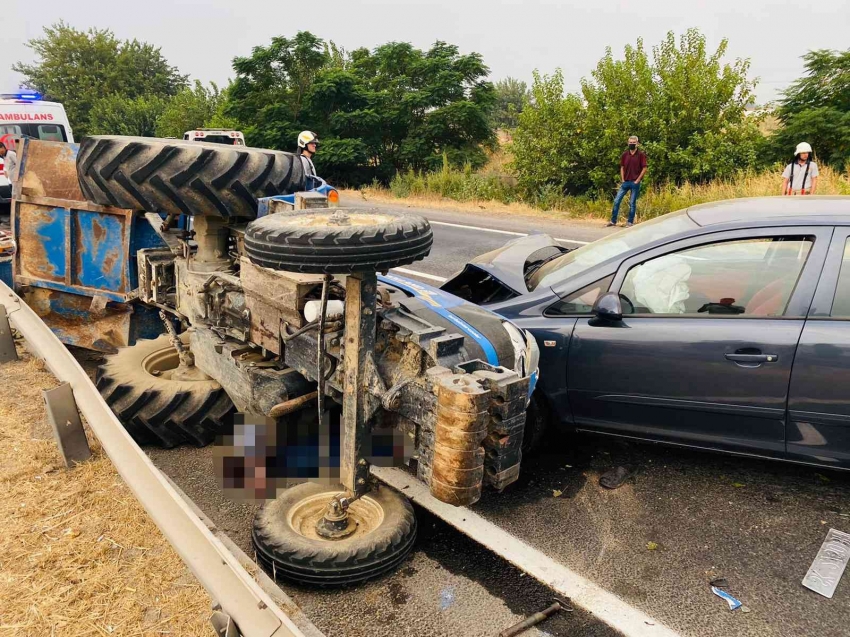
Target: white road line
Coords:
[[507, 232], [609, 608], [424, 275]]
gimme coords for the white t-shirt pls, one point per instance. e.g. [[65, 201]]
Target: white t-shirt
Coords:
[[799, 172]]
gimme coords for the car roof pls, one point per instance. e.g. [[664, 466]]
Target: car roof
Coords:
[[808, 209]]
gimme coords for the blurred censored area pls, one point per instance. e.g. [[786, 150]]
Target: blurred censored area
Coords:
[[257, 457]]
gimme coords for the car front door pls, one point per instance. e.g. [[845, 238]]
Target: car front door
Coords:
[[703, 354], [819, 398]]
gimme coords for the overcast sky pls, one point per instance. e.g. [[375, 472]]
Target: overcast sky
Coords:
[[515, 37]]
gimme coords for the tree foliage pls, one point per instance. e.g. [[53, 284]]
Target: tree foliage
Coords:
[[191, 108], [510, 97], [79, 68], [547, 156], [686, 105], [376, 112], [816, 109], [119, 115]]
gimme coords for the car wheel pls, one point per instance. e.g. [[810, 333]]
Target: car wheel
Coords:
[[536, 423]]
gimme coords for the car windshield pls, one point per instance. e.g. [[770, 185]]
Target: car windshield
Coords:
[[578, 261]]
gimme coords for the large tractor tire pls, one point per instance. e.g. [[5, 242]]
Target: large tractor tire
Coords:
[[289, 548], [192, 178], [155, 408], [337, 241]]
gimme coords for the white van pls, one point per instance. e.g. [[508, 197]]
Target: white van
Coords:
[[215, 136], [25, 114]]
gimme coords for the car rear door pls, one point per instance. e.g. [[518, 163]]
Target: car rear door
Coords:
[[704, 352], [819, 396]]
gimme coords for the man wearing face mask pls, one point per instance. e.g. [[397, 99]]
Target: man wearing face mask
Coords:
[[632, 170]]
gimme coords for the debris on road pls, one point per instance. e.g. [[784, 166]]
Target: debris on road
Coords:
[[536, 618], [720, 582], [829, 564], [733, 603], [616, 477], [651, 546]]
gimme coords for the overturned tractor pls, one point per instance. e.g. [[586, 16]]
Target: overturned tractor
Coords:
[[285, 312]]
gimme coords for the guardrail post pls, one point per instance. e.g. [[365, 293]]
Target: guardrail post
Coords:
[[67, 427], [8, 352]]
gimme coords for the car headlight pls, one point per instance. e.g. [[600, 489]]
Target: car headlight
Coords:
[[521, 350], [533, 353]]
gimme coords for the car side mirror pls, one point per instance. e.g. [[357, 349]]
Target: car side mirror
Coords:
[[608, 308]]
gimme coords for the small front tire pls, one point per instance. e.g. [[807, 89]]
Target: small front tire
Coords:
[[289, 548]]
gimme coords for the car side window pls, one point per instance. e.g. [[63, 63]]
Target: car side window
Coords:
[[841, 303], [749, 277], [580, 301]]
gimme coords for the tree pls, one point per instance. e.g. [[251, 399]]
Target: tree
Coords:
[[191, 108], [409, 107], [547, 157], [511, 95], [77, 68], [816, 109], [376, 112], [686, 105], [119, 115], [272, 86]]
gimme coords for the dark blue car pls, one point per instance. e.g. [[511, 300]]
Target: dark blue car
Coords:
[[725, 326]]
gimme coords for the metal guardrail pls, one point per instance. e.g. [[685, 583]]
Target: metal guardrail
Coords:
[[240, 597]]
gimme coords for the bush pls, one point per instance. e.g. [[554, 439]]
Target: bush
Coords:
[[688, 108]]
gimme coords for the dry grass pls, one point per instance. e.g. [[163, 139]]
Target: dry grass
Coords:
[[492, 190], [78, 554]]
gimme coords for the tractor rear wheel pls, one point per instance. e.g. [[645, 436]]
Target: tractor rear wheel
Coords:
[[157, 408], [181, 177], [289, 547]]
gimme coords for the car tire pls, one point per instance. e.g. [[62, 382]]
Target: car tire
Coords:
[[288, 547], [181, 177], [337, 241], [156, 409], [536, 423]]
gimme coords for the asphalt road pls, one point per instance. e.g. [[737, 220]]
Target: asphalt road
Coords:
[[458, 237], [759, 524]]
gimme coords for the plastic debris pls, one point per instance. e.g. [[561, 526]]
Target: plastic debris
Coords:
[[720, 582], [829, 564], [651, 546], [733, 603]]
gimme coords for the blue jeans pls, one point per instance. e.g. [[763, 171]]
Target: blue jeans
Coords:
[[625, 187]]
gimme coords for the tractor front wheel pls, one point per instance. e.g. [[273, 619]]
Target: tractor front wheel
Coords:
[[289, 546]]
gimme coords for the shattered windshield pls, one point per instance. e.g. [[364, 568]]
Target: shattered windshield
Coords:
[[578, 261]]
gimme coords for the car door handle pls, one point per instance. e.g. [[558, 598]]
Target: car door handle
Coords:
[[752, 358]]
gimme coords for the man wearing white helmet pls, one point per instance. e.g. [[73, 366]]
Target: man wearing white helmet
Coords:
[[801, 175], [308, 144]]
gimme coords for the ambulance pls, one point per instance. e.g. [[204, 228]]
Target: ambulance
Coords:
[[25, 114]]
